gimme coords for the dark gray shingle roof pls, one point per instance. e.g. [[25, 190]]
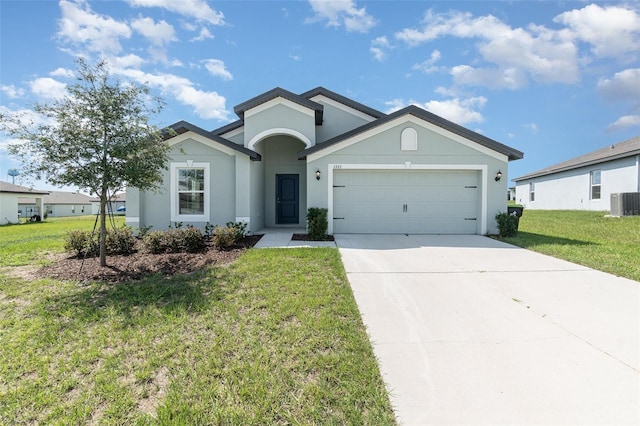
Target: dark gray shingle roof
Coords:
[[511, 153], [279, 92], [183, 126], [343, 100], [627, 148]]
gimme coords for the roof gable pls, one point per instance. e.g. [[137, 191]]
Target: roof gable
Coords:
[[343, 100], [280, 93], [182, 127], [512, 154], [624, 149]]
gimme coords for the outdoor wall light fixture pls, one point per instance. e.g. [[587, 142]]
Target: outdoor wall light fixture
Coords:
[[318, 174], [498, 175]]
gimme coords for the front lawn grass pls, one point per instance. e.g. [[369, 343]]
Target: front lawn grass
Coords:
[[275, 338], [31, 242], [609, 244]]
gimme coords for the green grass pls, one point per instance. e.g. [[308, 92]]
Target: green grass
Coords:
[[31, 243], [588, 238], [275, 338]]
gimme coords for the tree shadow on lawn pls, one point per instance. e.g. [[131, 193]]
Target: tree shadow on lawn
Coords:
[[529, 239], [172, 295]]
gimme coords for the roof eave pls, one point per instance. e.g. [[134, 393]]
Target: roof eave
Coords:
[[184, 126], [577, 166]]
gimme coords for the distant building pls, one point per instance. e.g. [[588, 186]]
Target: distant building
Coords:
[[585, 182], [9, 196], [57, 204], [118, 201]]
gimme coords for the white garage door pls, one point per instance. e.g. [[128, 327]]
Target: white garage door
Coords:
[[406, 201]]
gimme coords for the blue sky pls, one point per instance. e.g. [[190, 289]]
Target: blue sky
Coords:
[[552, 79]]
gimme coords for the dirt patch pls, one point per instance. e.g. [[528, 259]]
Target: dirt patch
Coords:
[[139, 265], [305, 237]]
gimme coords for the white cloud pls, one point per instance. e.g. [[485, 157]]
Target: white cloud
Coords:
[[62, 72], [428, 66], [127, 61], [497, 78], [80, 25], [623, 86], [48, 88], [197, 9], [11, 91], [217, 68], [624, 122], [378, 48], [611, 30], [461, 111], [531, 126], [342, 13], [159, 33], [208, 105], [203, 35], [515, 54]]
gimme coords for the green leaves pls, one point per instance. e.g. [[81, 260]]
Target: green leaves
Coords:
[[97, 137]]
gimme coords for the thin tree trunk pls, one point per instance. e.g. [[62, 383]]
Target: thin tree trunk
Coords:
[[103, 228]]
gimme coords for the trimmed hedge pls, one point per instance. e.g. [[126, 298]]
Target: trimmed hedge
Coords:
[[188, 239], [83, 243]]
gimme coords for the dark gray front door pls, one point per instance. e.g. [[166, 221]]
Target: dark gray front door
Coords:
[[287, 199]]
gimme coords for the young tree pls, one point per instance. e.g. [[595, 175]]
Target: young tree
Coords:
[[97, 137]]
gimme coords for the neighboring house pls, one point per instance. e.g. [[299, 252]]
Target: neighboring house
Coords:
[[116, 205], [9, 195], [406, 172], [58, 204], [585, 182]]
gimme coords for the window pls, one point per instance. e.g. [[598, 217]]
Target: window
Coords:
[[190, 192], [595, 185], [532, 191]]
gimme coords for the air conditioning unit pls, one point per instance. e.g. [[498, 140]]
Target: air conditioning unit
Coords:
[[625, 204]]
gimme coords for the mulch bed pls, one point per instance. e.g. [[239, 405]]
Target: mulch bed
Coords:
[[305, 237], [139, 265]]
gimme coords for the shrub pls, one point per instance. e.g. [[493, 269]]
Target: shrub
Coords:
[[177, 240], [224, 237], [121, 241], [317, 223], [507, 225], [239, 228], [82, 243], [189, 239], [154, 242]]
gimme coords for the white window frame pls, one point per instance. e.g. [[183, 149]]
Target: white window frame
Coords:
[[532, 191], [175, 204], [592, 185]]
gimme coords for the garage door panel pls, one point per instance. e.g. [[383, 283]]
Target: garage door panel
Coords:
[[406, 201]]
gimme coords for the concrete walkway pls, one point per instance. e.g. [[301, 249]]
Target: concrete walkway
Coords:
[[281, 238], [468, 330]]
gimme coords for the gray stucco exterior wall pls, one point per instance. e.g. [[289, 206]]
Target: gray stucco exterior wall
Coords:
[[433, 149]]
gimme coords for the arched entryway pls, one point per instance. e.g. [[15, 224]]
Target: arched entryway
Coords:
[[284, 183]]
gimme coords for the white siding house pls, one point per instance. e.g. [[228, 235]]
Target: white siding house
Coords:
[[585, 182], [57, 204]]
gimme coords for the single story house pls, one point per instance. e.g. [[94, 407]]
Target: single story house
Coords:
[[9, 195], [116, 205], [57, 204], [585, 182], [406, 172]]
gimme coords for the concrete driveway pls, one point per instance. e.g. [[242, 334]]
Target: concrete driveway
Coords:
[[469, 330]]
